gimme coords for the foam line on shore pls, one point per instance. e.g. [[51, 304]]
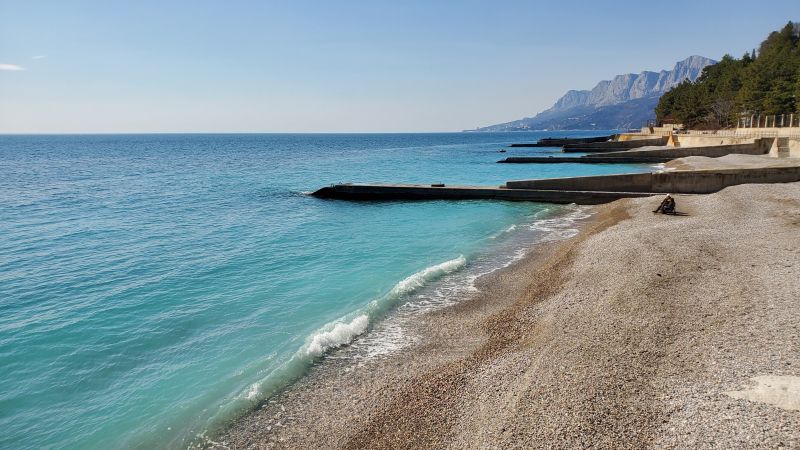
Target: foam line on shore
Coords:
[[455, 286], [548, 225], [344, 330]]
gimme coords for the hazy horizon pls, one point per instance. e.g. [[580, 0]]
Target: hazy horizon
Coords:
[[352, 67]]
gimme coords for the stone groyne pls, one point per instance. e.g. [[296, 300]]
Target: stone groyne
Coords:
[[387, 192], [613, 146], [678, 182], [560, 142]]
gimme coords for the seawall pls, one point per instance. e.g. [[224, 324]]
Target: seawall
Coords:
[[591, 159], [378, 192], [559, 142], [613, 145], [681, 182], [758, 147]]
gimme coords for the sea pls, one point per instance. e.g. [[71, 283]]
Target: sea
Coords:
[[155, 286]]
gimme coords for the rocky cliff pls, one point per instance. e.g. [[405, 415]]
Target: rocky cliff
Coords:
[[623, 102]]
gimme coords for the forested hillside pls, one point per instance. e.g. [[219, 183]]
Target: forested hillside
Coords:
[[763, 82]]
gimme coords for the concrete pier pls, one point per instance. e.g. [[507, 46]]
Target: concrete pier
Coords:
[[582, 190], [560, 142], [758, 147], [591, 159], [613, 146], [426, 192], [678, 182], [652, 154], [604, 188]]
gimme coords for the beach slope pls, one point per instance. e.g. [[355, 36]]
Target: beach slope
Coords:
[[645, 330]]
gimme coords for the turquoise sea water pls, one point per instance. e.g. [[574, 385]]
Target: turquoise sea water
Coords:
[[153, 285]]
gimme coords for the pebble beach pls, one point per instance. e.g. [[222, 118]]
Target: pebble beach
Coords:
[[645, 330]]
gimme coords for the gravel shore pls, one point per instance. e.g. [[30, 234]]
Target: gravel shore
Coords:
[[643, 331]]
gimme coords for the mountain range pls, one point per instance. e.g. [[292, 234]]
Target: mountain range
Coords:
[[626, 101]]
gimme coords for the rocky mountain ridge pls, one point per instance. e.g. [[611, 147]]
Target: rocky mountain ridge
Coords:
[[625, 101]]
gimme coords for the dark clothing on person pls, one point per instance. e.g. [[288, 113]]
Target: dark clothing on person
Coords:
[[667, 206]]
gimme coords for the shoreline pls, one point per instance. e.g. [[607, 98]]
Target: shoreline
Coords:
[[560, 348], [432, 328], [370, 383]]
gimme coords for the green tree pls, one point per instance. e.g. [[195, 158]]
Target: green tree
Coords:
[[767, 82]]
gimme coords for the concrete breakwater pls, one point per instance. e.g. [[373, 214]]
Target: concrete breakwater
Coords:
[[589, 159], [581, 190], [651, 154], [757, 147], [613, 146], [605, 188], [385, 192], [560, 142], [679, 182]]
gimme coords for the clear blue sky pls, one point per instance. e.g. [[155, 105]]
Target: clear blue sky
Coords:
[[338, 66]]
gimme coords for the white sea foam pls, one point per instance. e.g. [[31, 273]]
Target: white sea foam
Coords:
[[422, 295], [387, 338], [252, 392], [558, 228], [344, 331], [420, 278], [336, 334], [508, 229]]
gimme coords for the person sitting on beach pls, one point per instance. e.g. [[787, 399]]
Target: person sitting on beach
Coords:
[[667, 205]]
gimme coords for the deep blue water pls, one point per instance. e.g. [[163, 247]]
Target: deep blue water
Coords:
[[151, 285]]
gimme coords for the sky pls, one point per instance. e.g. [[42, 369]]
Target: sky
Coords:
[[119, 66]]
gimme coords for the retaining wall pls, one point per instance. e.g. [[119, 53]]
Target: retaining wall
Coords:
[[759, 147], [682, 182], [625, 137], [794, 148], [704, 141]]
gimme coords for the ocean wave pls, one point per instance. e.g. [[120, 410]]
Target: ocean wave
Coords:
[[335, 335], [388, 336], [345, 330], [385, 337], [508, 229], [423, 276]]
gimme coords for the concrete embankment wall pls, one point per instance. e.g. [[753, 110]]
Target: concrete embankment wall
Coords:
[[624, 137], [682, 182], [704, 141], [759, 147], [794, 148], [785, 148]]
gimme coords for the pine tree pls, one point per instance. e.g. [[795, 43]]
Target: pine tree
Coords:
[[765, 82]]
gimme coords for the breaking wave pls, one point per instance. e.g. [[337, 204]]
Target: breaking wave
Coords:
[[344, 330], [336, 335], [431, 288]]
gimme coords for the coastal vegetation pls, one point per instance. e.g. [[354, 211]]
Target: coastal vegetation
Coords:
[[763, 82]]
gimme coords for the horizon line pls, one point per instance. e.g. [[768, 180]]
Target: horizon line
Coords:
[[111, 133]]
